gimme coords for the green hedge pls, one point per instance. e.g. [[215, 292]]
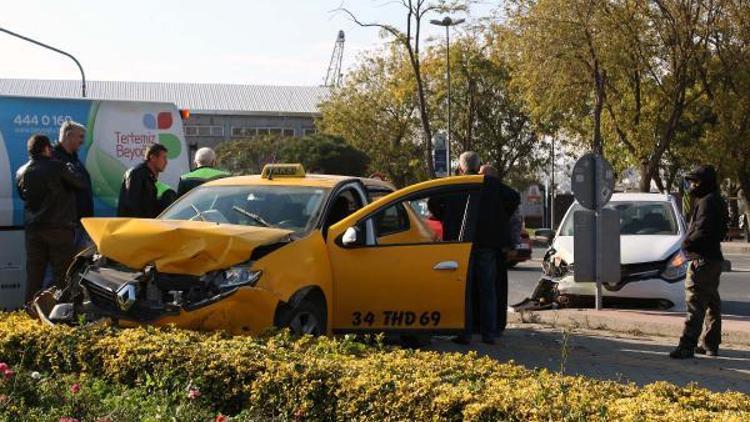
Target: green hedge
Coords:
[[334, 379]]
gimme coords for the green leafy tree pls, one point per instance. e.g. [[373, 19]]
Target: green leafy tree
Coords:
[[375, 110], [727, 141], [624, 71], [247, 156], [409, 41], [325, 154], [319, 153], [487, 114]]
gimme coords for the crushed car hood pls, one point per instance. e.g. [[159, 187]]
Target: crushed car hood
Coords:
[[176, 246]]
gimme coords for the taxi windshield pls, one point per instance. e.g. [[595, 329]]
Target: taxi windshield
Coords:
[[293, 208]]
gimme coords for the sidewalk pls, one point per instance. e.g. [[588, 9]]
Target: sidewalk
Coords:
[[735, 329], [739, 247]]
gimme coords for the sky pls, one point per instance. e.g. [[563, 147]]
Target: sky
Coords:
[[259, 42]]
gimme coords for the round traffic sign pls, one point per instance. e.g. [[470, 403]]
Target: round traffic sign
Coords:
[[593, 181]]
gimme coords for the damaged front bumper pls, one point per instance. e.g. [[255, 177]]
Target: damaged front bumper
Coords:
[[101, 288], [657, 284]]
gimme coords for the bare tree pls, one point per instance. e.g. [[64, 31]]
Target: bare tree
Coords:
[[409, 39]]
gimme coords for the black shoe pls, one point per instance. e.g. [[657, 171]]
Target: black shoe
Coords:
[[703, 350], [681, 353], [462, 340]]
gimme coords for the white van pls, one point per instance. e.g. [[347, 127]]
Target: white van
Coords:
[[117, 134]]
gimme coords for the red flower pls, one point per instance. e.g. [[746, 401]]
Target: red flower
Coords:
[[68, 419], [221, 418], [4, 367], [194, 393], [8, 373], [75, 388]]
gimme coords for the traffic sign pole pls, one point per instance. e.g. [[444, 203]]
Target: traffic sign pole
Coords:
[[593, 184], [598, 235]]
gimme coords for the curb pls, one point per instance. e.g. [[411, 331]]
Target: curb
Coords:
[[582, 319], [735, 248]]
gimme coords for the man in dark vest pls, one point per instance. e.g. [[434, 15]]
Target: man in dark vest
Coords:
[[205, 170]]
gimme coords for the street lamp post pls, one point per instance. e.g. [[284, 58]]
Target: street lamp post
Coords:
[[553, 188], [57, 50], [447, 22]]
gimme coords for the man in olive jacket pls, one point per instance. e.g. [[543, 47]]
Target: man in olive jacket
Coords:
[[205, 170], [702, 244]]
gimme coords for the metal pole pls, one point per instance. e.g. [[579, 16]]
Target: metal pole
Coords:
[[599, 173], [49, 47], [552, 195], [447, 22], [448, 77]]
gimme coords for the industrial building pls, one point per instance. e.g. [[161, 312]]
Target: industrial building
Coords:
[[218, 112]]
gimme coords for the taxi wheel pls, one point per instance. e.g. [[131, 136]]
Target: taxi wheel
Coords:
[[306, 318]]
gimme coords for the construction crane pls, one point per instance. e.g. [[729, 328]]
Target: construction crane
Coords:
[[333, 76]]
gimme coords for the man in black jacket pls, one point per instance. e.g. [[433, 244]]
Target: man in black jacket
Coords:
[[496, 204], [71, 138], [138, 192], [48, 188], [708, 226]]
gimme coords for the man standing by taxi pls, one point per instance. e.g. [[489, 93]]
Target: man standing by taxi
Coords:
[[511, 220], [71, 138], [708, 226], [48, 188], [138, 192], [491, 236], [205, 170]]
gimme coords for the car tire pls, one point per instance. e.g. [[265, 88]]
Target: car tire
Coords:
[[308, 317]]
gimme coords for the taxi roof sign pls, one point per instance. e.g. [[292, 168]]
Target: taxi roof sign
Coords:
[[282, 170]]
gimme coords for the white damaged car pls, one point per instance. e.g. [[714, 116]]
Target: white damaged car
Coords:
[[653, 265]]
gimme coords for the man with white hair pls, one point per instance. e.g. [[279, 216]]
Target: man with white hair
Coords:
[[469, 162], [72, 136], [205, 170]]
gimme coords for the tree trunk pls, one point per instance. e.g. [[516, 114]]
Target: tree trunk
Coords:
[[598, 106], [646, 175]]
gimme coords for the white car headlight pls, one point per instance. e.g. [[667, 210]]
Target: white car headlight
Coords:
[[676, 268], [240, 276]]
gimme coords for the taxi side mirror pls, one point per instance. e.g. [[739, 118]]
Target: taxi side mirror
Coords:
[[351, 237]]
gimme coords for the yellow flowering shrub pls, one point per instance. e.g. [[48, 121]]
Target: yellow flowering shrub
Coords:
[[338, 378]]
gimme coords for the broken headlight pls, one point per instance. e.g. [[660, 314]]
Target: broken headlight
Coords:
[[553, 265], [240, 276]]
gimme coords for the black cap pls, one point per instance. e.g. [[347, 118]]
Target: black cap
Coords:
[[703, 174]]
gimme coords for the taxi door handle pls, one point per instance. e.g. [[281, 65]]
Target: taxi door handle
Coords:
[[446, 266]]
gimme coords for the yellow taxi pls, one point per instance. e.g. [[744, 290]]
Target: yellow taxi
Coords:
[[318, 254]]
